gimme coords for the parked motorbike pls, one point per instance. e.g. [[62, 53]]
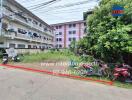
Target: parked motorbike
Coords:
[[90, 70], [5, 58], [16, 58], [122, 73]]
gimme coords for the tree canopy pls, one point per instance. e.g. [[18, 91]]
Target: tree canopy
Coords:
[[108, 36]]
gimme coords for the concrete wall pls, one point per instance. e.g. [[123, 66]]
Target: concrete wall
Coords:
[[30, 51]]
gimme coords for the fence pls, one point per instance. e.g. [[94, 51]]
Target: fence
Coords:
[[24, 51]]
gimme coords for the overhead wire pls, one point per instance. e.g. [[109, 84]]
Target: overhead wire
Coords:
[[68, 11], [42, 4], [49, 9], [61, 6]]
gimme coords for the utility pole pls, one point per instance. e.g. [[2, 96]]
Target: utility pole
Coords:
[[1, 16]]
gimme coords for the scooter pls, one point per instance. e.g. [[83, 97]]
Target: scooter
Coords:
[[5, 58], [90, 71], [122, 74], [16, 58]]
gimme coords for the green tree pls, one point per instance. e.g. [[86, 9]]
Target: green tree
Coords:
[[109, 37], [73, 46]]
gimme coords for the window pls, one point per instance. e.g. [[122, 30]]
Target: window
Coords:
[[74, 32], [84, 24], [39, 47], [60, 33], [74, 39], [21, 46], [70, 32], [56, 39], [29, 46], [57, 34], [60, 27], [44, 38], [11, 45], [70, 25], [56, 46], [35, 47], [69, 39], [74, 25], [60, 46], [29, 19], [40, 25], [56, 27], [35, 22], [60, 39], [22, 31], [45, 29]]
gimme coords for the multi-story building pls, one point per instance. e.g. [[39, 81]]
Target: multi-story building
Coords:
[[67, 32], [22, 29]]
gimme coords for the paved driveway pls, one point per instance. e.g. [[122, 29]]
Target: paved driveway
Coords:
[[22, 85]]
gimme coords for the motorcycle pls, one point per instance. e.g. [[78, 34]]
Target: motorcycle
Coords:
[[16, 58], [89, 70], [5, 58], [122, 73]]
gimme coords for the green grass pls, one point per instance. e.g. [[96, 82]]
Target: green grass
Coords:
[[123, 85], [51, 55]]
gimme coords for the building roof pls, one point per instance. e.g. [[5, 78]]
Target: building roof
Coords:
[[28, 12], [71, 22]]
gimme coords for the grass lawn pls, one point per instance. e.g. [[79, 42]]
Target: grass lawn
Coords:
[[51, 55]]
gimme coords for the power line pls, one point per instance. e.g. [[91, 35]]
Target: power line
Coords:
[[42, 4], [68, 11], [64, 11], [65, 6], [27, 1]]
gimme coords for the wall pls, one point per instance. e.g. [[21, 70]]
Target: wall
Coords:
[[30, 51]]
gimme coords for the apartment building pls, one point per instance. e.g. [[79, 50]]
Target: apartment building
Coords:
[[22, 29], [67, 32]]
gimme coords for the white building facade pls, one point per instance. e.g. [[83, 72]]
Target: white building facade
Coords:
[[23, 29]]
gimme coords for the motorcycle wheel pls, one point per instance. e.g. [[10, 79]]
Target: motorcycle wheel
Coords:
[[121, 79], [4, 62]]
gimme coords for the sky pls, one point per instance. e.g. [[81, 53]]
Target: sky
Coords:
[[54, 13]]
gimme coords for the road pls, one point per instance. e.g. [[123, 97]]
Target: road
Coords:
[[22, 85]]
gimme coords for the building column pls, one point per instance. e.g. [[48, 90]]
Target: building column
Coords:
[[79, 31], [65, 36]]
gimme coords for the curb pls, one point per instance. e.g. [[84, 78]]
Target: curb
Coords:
[[58, 74]]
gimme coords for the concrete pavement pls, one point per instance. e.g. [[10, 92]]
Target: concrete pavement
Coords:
[[22, 85]]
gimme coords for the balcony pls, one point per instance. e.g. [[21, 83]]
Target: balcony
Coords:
[[10, 15], [13, 35]]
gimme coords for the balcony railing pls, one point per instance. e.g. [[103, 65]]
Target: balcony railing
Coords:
[[22, 21], [25, 37]]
